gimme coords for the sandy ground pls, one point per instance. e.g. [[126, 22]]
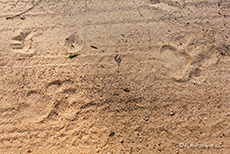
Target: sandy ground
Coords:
[[153, 76]]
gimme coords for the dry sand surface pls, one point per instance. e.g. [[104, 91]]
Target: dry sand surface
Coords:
[[153, 76]]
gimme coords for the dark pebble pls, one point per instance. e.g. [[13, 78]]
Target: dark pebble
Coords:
[[112, 134]]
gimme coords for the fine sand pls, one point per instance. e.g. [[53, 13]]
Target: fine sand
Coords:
[[153, 76]]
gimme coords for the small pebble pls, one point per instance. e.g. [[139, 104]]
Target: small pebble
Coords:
[[118, 59], [112, 134], [159, 143], [146, 119], [171, 114], [23, 17]]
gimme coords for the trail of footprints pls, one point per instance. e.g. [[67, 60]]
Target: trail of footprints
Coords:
[[62, 99], [184, 62], [182, 57], [24, 41]]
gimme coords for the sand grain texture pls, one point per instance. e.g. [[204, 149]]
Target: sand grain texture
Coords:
[[155, 72]]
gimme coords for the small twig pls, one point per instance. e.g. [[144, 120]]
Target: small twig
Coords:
[[149, 37], [92, 46], [11, 17], [137, 9], [72, 56], [140, 12]]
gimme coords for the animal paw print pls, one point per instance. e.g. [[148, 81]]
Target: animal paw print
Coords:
[[74, 43], [22, 42], [177, 62], [186, 58]]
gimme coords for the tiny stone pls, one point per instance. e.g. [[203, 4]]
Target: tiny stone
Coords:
[[112, 134], [146, 119], [122, 141], [171, 114], [19, 131]]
